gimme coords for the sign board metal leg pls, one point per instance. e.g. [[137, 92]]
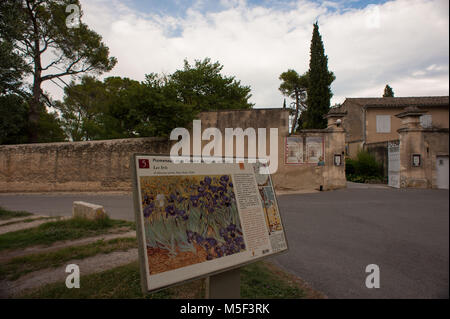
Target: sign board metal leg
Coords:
[[226, 285]]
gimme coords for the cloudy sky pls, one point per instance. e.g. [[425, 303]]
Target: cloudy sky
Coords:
[[369, 43]]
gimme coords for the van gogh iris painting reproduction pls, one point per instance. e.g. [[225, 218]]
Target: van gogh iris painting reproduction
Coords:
[[189, 220]]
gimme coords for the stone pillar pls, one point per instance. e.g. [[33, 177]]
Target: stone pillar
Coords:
[[412, 144], [333, 175]]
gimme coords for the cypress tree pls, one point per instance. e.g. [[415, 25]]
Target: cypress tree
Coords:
[[388, 92], [320, 79]]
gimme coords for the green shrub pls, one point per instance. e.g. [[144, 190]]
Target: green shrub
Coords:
[[349, 166], [364, 168]]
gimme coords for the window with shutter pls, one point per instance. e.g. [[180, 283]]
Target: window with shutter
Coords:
[[383, 123]]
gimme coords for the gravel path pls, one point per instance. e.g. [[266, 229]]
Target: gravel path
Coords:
[[20, 219], [8, 255], [20, 226], [87, 266]]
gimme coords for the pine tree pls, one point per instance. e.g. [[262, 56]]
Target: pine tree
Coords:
[[320, 79], [388, 92], [294, 86]]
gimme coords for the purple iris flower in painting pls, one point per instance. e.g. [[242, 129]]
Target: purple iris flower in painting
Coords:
[[207, 180], [224, 178], [183, 215], [190, 235], [198, 238], [194, 200], [218, 251], [211, 241], [230, 184], [213, 189], [170, 210], [149, 210], [226, 200], [224, 184]]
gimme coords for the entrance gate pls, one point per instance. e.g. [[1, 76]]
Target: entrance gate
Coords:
[[442, 172], [394, 164]]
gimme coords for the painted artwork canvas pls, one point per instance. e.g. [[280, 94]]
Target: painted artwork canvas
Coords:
[[189, 220]]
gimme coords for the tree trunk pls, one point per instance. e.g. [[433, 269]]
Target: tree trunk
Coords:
[[35, 103], [297, 105], [33, 115]]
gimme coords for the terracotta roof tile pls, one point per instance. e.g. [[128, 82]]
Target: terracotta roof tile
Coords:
[[400, 101]]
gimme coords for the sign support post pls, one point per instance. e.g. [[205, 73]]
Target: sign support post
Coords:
[[226, 285]]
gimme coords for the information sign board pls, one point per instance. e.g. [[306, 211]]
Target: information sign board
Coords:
[[199, 219]]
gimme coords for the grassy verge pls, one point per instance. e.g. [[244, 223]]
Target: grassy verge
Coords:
[[69, 229], [7, 214], [258, 280], [20, 266]]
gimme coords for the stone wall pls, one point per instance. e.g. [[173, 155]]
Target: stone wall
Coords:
[[73, 166], [312, 176], [104, 165]]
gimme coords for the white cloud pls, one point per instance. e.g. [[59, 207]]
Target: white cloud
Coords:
[[403, 43]]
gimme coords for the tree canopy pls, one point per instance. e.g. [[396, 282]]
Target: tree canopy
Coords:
[[203, 87], [32, 29], [38, 42], [121, 107], [295, 86]]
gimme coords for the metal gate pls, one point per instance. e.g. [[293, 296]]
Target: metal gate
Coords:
[[394, 164], [442, 172]]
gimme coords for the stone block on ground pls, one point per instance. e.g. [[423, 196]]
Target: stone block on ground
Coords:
[[87, 210]]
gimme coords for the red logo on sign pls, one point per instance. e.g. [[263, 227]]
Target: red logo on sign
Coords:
[[144, 163]]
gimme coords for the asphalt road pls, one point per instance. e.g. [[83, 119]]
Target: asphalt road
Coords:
[[333, 236]]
